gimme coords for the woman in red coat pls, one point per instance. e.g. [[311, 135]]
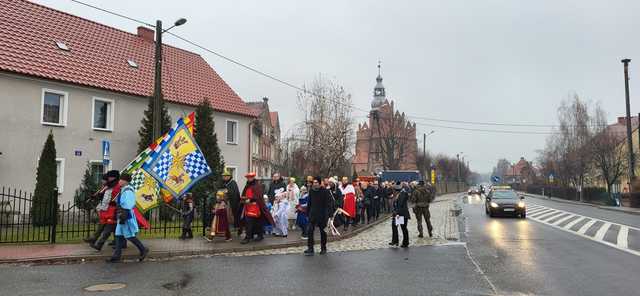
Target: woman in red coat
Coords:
[[349, 203]]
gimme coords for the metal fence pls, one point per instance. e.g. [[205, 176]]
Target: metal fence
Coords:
[[73, 224]]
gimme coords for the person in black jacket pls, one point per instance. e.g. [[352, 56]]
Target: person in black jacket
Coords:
[[233, 197], [318, 210], [401, 209], [276, 183]]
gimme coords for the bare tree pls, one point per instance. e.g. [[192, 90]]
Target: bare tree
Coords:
[[324, 140], [575, 135], [394, 136], [502, 168], [607, 158]]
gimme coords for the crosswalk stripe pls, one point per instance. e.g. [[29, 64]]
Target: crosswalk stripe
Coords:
[[541, 213], [602, 231], [586, 226], [564, 219], [547, 215], [534, 211], [574, 222], [623, 239], [552, 215]]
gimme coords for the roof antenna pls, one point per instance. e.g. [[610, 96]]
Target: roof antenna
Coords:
[[379, 62]]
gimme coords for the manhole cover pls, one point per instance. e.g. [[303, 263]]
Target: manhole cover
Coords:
[[105, 287]]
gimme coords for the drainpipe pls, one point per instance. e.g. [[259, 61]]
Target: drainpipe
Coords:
[[250, 144]]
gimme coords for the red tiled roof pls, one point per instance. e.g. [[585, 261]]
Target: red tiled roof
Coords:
[[274, 119], [98, 58]]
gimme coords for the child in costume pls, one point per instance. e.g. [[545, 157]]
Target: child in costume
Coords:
[[220, 224], [302, 219], [280, 213], [268, 229]]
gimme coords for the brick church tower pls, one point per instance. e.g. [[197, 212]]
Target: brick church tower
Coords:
[[388, 140]]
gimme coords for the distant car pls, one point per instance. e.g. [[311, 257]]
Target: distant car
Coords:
[[473, 191], [505, 202]]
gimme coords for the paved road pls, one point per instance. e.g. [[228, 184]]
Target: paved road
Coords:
[[500, 256], [530, 257]]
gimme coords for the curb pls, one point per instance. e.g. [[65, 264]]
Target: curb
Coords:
[[181, 253], [585, 204]]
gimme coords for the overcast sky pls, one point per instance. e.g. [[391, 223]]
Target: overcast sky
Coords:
[[489, 61]]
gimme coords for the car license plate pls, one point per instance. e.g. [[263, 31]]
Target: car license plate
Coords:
[[509, 210]]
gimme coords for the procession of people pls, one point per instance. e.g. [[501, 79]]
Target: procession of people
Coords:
[[318, 205]]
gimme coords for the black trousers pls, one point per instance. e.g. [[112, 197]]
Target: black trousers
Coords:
[[323, 235], [254, 227], [107, 230], [394, 232], [121, 241]]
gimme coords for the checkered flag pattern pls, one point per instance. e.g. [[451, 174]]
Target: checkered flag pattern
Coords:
[[137, 180], [196, 165], [161, 169]]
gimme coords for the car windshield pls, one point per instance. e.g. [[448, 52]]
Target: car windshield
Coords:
[[504, 195]]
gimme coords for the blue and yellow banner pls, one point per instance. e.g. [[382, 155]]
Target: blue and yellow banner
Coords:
[[177, 163]]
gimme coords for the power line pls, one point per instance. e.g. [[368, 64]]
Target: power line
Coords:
[[350, 105], [486, 130], [113, 13]]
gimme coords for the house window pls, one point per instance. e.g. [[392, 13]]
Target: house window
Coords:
[[102, 117], [54, 107], [232, 132], [234, 171], [60, 174], [97, 170]]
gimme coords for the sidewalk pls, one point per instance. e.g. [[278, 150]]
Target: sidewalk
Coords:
[[628, 210], [160, 248]]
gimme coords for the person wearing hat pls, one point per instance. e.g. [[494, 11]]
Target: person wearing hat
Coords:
[[127, 225], [348, 193], [255, 211], [318, 211], [233, 198], [107, 209]]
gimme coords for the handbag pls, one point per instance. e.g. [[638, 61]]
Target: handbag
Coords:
[[252, 210]]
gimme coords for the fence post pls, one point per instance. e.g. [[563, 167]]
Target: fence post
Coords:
[[203, 217], [54, 213]]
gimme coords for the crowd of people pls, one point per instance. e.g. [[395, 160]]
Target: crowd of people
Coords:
[[320, 204]]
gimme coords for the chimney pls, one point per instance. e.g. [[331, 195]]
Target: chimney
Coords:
[[146, 33]]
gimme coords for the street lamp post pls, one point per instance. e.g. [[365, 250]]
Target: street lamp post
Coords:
[[157, 82]]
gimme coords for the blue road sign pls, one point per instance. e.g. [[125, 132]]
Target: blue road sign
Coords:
[[106, 152], [495, 179]]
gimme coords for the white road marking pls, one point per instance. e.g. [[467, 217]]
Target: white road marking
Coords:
[[542, 213], [621, 244], [623, 240], [574, 222], [586, 226], [602, 231], [553, 215], [564, 219]]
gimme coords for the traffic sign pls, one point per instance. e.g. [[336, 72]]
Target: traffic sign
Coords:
[[495, 179], [106, 152]]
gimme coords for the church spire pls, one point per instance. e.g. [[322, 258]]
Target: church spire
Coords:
[[379, 95]]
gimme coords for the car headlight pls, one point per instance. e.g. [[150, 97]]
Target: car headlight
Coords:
[[494, 205], [521, 204]]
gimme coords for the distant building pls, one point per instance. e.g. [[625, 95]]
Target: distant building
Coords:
[[519, 172], [89, 82], [384, 124], [265, 140]]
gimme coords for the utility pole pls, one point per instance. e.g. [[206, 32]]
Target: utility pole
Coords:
[[629, 136], [157, 83]]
